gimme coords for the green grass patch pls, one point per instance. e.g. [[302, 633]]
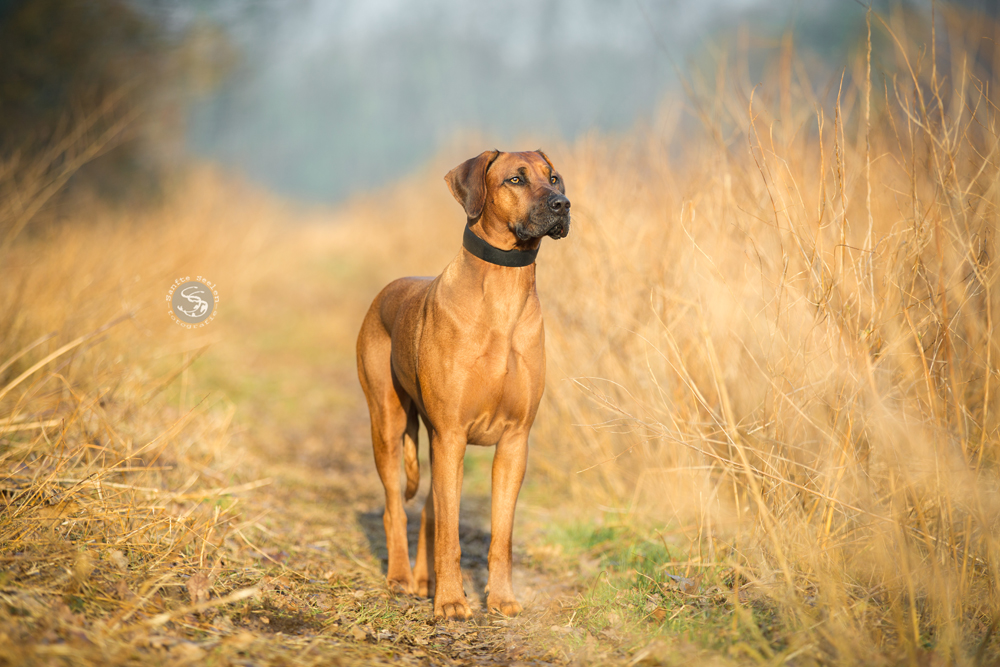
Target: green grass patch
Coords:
[[642, 588]]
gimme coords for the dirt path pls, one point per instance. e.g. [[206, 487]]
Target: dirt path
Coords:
[[321, 518], [323, 549], [316, 530]]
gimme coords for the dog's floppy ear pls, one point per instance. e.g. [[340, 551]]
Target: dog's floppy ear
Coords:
[[467, 182], [546, 158]]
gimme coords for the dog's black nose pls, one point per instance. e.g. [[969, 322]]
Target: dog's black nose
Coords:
[[559, 204]]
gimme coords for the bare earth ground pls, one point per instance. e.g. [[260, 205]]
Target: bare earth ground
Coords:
[[324, 551]]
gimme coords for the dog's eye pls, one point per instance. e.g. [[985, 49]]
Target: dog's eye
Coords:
[[554, 180], [515, 180]]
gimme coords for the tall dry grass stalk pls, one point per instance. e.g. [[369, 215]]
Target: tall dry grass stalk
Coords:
[[28, 181], [787, 332]]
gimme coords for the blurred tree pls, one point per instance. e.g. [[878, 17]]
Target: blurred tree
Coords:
[[57, 55], [70, 71], [98, 86]]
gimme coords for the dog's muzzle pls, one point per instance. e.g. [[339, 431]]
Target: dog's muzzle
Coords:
[[550, 217], [558, 206]]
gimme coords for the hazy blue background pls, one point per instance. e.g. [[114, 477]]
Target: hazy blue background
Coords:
[[323, 97]]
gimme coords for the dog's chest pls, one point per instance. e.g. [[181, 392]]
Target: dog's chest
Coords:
[[486, 384], [504, 390], [480, 356]]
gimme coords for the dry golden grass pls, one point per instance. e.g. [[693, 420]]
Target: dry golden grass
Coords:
[[113, 495], [789, 325], [772, 326], [776, 327]]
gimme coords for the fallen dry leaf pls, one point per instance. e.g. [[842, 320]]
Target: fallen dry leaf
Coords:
[[118, 559], [686, 585], [122, 591], [82, 567], [198, 587]]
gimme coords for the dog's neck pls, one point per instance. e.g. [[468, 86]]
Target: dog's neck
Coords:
[[496, 233], [502, 292], [484, 250]]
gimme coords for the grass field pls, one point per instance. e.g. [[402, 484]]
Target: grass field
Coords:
[[769, 432]]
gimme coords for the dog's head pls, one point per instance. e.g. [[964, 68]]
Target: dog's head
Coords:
[[519, 196]]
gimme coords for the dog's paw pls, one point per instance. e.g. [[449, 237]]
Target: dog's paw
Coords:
[[453, 610], [425, 588], [400, 585], [509, 607]]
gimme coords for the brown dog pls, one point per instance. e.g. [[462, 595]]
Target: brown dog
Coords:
[[465, 352]]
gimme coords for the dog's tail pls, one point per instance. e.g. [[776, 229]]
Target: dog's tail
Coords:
[[410, 461]]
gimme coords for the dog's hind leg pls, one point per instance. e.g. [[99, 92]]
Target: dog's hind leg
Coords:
[[410, 446], [388, 406], [423, 571]]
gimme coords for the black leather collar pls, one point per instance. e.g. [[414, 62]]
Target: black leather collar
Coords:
[[493, 255]]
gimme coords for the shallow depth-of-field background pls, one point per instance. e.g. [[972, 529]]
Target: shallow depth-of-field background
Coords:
[[769, 432]]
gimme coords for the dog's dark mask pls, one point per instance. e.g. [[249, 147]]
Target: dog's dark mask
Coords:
[[550, 214]]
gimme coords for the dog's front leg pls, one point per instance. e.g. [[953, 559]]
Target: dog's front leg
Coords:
[[509, 462], [446, 481]]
